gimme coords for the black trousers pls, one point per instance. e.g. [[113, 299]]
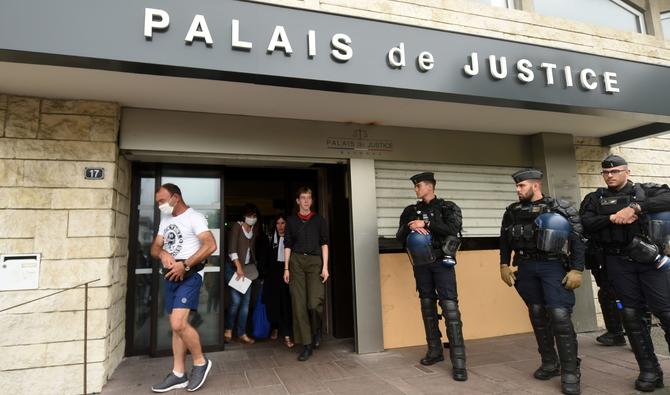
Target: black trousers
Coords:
[[639, 286], [539, 283], [436, 281]]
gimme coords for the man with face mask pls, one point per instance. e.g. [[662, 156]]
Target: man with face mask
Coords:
[[435, 223], [182, 244], [617, 219], [550, 265]]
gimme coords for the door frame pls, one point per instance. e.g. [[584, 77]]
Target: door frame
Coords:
[[157, 171]]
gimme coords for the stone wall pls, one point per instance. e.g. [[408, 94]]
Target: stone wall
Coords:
[[471, 17], [647, 160], [81, 229]]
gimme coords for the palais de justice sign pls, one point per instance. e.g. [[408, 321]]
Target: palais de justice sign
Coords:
[[343, 49]]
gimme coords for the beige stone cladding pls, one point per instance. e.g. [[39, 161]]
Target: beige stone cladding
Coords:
[[80, 228], [647, 160], [471, 17]]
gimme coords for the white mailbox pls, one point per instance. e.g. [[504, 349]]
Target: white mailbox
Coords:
[[19, 271]]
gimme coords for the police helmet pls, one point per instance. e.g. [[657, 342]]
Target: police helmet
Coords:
[[659, 228], [553, 231], [420, 248]]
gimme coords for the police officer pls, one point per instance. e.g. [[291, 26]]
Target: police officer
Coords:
[[436, 223], [617, 218], [545, 235]]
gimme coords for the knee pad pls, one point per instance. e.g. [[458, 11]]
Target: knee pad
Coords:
[[450, 309], [560, 321]]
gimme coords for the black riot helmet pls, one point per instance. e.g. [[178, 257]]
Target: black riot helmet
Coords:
[[659, 229], [553, 231], [420, 248]]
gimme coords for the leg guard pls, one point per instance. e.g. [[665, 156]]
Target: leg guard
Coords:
[[433, 335], [545, 343], [664, 317], [639, 338], [455, 334], [614, 335], [566, 343]]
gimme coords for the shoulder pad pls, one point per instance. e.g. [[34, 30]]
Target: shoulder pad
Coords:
[[649, 185], [562, 203]]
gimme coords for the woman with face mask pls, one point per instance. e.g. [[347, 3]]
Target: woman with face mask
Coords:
[[241, 251]]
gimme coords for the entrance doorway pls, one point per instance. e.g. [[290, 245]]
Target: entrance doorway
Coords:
[[220, 193]]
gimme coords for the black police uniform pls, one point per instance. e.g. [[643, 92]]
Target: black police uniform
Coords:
[[637, 284], [539, 281], [435, 280]]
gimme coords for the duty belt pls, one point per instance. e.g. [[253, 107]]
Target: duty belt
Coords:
[[542, 256], [614, 251]]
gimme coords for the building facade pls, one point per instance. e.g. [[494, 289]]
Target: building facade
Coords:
[[244, 101]]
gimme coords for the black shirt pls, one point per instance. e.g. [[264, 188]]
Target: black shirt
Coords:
[[657, 200], [445, 219], [306, 237]]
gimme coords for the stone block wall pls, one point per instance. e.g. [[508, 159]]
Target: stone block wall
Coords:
[[80, 228], [647, 160], [472, 17]]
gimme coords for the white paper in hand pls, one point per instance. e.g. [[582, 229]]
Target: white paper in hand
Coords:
[[240, 286]]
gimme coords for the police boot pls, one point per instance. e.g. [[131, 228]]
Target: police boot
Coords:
[[566, 343], [664, 317], [651, 376], [614, 335], [455, 335], [433, 335], [545, 343], [315, 324]]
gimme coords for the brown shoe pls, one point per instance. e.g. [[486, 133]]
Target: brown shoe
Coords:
[[247, 340], [288, 342], [227, 336], [274, 334]]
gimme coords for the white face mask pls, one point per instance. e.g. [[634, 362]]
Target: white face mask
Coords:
[[165, 208], [250, 221]]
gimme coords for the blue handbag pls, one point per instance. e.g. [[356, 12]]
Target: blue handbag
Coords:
[[259, 320]]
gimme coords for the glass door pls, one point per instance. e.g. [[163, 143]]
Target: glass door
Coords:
[[149, 331]]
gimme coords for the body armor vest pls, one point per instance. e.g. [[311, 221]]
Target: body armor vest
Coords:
[[610, 203], [522, 234]]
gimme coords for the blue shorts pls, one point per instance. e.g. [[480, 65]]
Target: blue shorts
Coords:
[[183, 294]]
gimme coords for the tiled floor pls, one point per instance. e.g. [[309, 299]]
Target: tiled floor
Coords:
[[502, 365]]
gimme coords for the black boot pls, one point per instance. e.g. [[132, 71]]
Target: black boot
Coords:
[[651, 376], [433, 335], [664, 317], [614, 335], [545, 343], [315, 323], [566, 343], [306, 353], [455, 335]]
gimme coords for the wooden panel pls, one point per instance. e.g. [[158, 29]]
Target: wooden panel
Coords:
[[488, 307]]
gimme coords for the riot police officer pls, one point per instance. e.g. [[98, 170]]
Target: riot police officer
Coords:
[[625, 220], [429, 230], [545, 235]]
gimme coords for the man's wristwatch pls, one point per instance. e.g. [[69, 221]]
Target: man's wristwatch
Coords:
[[636, 207], [186, 266]]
